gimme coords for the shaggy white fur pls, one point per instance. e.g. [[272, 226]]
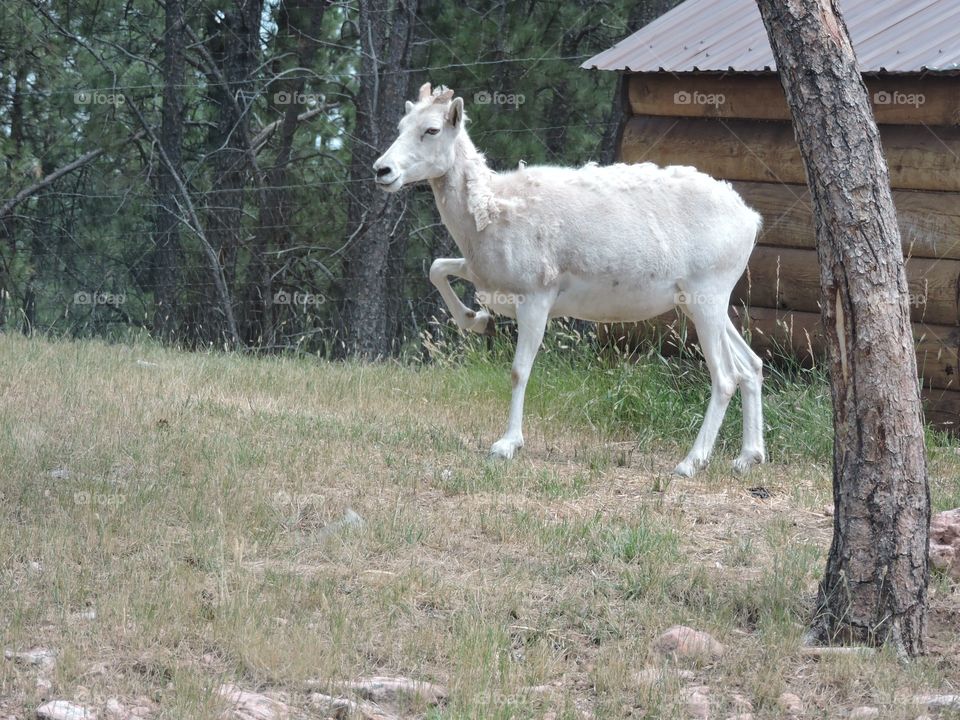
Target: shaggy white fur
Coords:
[[615, 243]]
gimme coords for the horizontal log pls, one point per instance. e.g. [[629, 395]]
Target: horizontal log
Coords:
[[929, 221], [942, 409], [919, 158], [777, 334], [928, 100], [789, 279]]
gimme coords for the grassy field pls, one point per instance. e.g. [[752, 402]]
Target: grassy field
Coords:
[[165, 526]]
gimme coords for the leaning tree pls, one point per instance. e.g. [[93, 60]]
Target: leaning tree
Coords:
[[875, 587]]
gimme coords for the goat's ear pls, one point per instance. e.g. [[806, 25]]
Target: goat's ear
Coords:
[[409, 106], [455, 113]]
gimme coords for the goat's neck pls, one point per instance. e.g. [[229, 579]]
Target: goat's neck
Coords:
[[463, 195]]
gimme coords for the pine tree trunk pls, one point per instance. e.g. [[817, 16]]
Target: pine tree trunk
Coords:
[[299, 25], [375, 218], [875, 587], [234, 46], [167, 255]]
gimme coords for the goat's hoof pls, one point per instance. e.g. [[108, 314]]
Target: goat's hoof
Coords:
[[685, 469], [505, 448], [746, 460], [480, 322]]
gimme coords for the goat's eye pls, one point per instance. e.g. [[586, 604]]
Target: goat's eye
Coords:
[[432, 131]]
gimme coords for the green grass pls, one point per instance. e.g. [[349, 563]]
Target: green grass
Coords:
[[187, 500]]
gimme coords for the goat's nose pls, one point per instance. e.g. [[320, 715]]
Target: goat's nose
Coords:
[[383, 171]]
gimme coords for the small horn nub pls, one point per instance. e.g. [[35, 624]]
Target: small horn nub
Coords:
[[425, 91], [442, 94]]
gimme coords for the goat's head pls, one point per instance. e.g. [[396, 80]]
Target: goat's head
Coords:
[[424, 149]]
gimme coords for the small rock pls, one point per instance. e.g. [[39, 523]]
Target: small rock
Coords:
[[938, 702], [656, 676], [393, 690], [43, 657], [539, 689], [697, 702], [35, 567], [342, 707], [63, 710], [864, 711], [681, 641], [741, 703], [741, 716], [790, 703], [147, 363], [349, 520], [116, 710], [252, 706], [60, 473]]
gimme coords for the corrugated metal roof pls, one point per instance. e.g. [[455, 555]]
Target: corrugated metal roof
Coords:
[[728, 35]]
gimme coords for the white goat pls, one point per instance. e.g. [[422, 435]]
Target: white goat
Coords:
[[616, 243]]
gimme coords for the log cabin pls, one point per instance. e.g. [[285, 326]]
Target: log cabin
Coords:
[[699, 87]]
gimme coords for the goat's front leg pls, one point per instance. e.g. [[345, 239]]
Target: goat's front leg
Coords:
[[466, 319], [532, 314]]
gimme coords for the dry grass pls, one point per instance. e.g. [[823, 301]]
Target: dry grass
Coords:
[[190, 505]]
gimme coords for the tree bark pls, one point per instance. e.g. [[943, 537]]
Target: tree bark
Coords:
[[167, 257], [875, 586], [374, 218], [233, 45], [299, 25]]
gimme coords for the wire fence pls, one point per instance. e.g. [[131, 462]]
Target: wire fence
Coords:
[[79, 256], [263, 228]]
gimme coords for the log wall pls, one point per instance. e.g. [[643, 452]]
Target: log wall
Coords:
[[738, 128]]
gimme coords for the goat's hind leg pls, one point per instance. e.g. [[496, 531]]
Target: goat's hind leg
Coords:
[[709, 315], [749, 369], [478, 321]]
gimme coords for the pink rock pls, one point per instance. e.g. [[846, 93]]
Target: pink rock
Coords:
[[681, 641], [942, 557], [945, 542], [116, 710], [790, 703], [945, 527], [741, 703], [698, 702]]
